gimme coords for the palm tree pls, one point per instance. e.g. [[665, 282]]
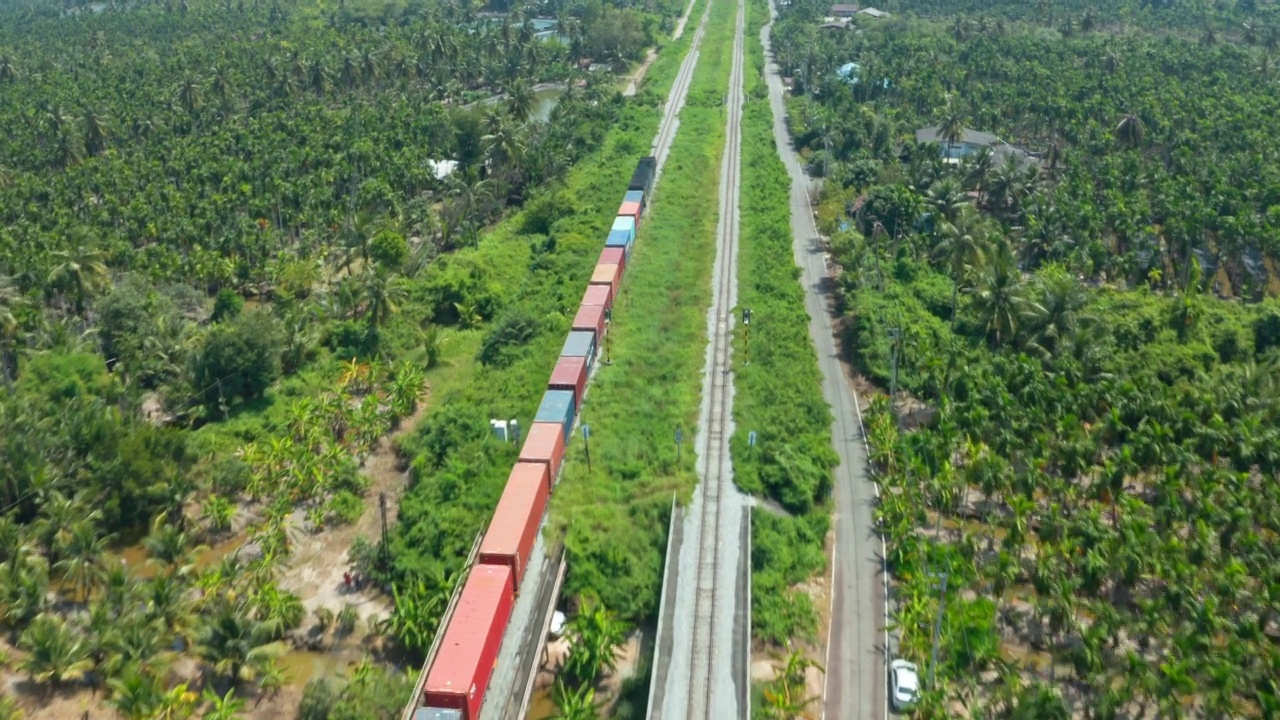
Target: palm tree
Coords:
[[8, 69], [82, 274], [56, 653], [1130, 131], [594, 635], [520, 100], [236, 646], [96, 132], [577, 704], [962, 248], [951, 128], [10, 300], [947, 198], [82, 554], [222, 707], [784, 698], [383, 295], [135, 694], [189, 95], [1000, 299]]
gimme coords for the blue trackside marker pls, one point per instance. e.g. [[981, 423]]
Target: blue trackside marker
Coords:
[[751, 439]]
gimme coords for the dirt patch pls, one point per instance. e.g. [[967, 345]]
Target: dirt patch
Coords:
[[633, 85], [317, 570]]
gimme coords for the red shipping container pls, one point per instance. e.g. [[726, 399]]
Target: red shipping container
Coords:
[[590, 317], [514, 527], [545, 444], [598, 295], [469, 650], [613, 256], [630, 209], [570, 374]]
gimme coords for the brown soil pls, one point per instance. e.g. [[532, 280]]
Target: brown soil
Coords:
[[315, 571]]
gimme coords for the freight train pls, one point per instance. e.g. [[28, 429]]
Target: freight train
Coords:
[[468, 650]]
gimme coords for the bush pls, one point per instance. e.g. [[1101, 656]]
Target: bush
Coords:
[[238, 360], [349, 339], [227, 305], [512, 331]]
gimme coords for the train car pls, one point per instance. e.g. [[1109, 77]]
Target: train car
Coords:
[[613, 256], [545, 444], [469, 649], [621, 240], [609, 275], [625, 223], [570, 374], [580, 343], [631, 210], [642, 178], [590, 318], [635, 196], [514, 527], [598, 295], [558, 407]]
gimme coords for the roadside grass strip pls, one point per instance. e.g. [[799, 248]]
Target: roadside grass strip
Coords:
[[779, 386]]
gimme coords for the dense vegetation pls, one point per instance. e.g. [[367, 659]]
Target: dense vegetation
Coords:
[[226, 272], [1085, 440], [778, 390]]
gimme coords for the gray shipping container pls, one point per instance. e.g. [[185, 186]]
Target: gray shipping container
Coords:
[[580, 343], [557, 407]]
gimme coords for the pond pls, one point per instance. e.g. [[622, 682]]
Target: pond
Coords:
[[545, 99]]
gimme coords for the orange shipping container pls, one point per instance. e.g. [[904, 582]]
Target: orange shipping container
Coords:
[[545, 444], [514, 527]]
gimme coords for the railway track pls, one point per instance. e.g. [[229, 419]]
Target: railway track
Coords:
[[675, 100], [709, 653]]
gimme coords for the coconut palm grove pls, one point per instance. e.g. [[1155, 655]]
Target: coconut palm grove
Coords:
[[269, 267]]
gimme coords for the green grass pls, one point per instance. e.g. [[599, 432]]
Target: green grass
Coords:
[[614, 516], [779, 392]]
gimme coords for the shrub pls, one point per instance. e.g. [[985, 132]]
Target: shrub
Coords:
[[238, 359]]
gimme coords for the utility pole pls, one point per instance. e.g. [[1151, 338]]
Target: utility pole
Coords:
[[386, 552], [937, 628], [586, 444], [746, 335], [608, 354], [679, 440], [896, 335]]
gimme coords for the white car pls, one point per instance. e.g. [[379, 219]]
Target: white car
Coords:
[[905, 684]]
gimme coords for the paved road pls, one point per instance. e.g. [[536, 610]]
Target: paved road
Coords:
[[704, 676], [856, 684]]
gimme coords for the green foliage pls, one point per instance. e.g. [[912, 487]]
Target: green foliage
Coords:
[[507, 337], [227, 305], [370, 694], [778, 387], [237, 359]]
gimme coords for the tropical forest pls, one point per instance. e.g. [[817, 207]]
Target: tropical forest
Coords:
[[1053, 229], [244, 246]]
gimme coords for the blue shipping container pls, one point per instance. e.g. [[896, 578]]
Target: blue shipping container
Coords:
[[634, 196], [580, 343], [623, 222], [618, 238], [557, 407]]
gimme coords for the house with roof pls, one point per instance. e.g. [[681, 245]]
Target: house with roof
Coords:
[[842, 10], [874, 13], [971, 142]]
